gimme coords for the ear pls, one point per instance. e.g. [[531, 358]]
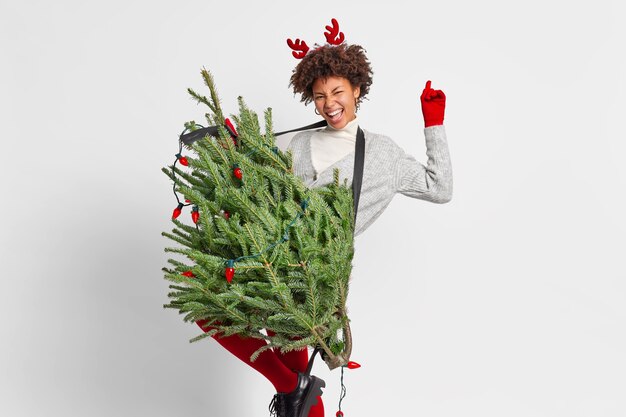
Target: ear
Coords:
[[357, 92]]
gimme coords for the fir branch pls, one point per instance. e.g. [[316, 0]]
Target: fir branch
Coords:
[[182, 235], [210, 333], [192, 181], [209, 166], [311, 296], [239, 199], [199, 98], [214, 145], [185, 227], [269, 129], [258, 352], [182, 241], [298, 344], [216, 107], [179, 288], [180, 266], [183, 279]]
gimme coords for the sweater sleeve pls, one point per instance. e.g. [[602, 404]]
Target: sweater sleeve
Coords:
[[300, 154], [432, 182]]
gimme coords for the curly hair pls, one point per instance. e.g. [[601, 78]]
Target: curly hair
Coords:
[[347, 61]]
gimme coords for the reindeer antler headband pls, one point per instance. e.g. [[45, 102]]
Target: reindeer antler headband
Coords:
[[333, 37]]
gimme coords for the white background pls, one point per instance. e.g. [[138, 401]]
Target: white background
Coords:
[[508, 301]]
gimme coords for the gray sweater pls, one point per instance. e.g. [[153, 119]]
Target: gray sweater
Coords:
[[388, 170]]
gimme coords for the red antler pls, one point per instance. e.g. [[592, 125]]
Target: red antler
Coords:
[[299, 47], [333, 36]]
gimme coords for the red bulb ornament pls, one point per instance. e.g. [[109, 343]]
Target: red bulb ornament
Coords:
[[339, 413], [237, 172], [353, 365], [188, 274], [195, 214], [182, 159], [177, 211], [231, 129], [230, 271]]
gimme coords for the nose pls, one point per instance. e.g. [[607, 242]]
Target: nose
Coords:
[[328, 103]]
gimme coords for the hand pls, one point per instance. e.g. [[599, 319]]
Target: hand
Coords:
[[433, 105]]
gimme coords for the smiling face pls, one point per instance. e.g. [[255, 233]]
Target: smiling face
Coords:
[[335, 100]]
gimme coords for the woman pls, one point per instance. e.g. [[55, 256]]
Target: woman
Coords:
[[336, 77]]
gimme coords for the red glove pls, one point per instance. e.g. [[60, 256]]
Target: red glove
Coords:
[[433, 105]]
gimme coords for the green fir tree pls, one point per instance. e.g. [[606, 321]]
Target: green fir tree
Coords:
[[291, 247]]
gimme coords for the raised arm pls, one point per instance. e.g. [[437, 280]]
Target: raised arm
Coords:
[[432, 182]]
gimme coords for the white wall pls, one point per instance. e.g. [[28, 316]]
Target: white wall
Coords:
[[509, 300]]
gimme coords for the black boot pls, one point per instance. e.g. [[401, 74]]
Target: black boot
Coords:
[[277, 406], [298, 402]]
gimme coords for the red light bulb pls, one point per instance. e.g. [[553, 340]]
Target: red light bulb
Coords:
[[188, 274], [195, 214], [182, 159], [237, 172], [230, 128], [177, 211], [230, 271], [353, 365]]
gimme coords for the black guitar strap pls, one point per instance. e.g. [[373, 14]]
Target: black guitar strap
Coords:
[[359, 161], [359, 152]]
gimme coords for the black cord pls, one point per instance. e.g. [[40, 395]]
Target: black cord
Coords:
[[343, 390]]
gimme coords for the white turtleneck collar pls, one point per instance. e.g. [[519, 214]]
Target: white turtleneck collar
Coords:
[[330, 145], [350, 128]]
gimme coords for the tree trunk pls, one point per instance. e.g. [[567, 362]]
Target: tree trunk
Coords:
[[334, 361]]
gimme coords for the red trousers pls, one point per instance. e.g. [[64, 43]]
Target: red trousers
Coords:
[[279, 368]]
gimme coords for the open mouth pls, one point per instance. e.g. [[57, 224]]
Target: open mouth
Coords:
[[334, 115]]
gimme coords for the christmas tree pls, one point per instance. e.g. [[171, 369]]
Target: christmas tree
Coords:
[[262, 250]]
